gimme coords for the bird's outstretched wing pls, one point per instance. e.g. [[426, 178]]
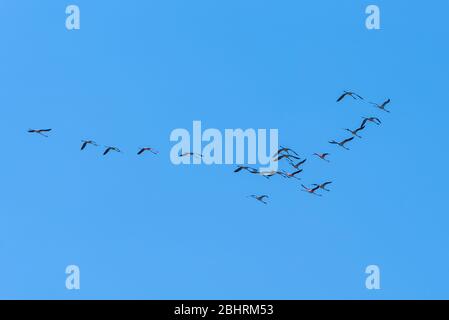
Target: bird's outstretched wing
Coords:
[[280, 157], [386, 102], [298, 164], [282, 149], [238, 169], [347, 140], [365, 120], [290, 150], [342, 97]]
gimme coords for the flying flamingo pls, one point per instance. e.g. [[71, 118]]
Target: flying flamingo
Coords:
[[284, 149], [259, 198], [296, 166], [108, 149], [371, 119], [350, 94], [269, 174], [190, 154], [40, 131], [86, 142], [382, 105], [311, 191], [322, 156], [342, 143], [286, 156], [355, 132], [249, 169], [142, 150], [293, 174], [323, 185]]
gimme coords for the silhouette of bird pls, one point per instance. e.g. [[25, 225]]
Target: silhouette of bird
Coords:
[[86, 142], [342, 143], [40, 131], [108, 149], [259, 198], [296, 166], [286, 156], [284, 149], [142, 150], [249, 169], [323, 185], [371, 119], [311, 191], [322, 156], [190, 154], [382, 105], [269, 174], [293, 174], [355, 132], [350, 94]]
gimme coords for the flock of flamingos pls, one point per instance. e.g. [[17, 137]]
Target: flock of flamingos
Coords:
[[296, 162], [289, 155]]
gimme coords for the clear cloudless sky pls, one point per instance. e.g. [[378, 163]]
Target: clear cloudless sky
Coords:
[[142, 228]]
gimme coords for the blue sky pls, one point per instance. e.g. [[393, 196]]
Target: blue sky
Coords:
[[142, 228]]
